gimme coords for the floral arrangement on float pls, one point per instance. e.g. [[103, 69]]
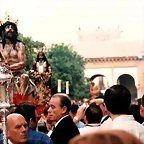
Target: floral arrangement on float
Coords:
[[19, 99], [26, 93]]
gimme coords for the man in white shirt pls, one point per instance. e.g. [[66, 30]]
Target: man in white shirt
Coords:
[[100, 102], [73, 113], [93, 115], [118, 100]]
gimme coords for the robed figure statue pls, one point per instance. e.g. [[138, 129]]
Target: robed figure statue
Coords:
[[43, 72]]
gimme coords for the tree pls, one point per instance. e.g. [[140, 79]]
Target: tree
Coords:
[[29, 49], [67, 65]]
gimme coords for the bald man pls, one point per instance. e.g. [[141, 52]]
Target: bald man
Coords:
[[17, 129]]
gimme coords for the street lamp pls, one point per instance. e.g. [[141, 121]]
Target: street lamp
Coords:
[[6, 93]]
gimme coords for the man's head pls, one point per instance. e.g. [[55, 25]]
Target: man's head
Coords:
[[60, 105], [17, 128], [93, 114], [9, 30], [106, 137], [100, 102], [29, 113], [142, 107], [73, 111], [138, 101], [117, 99]]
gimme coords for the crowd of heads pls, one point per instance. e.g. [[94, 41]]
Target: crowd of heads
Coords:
[[116, 101]]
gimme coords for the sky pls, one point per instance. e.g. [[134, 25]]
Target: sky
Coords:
[[56, 21]]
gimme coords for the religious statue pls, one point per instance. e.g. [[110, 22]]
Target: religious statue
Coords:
[[43, 73], [12, 50], [12, 54], [94, 90]]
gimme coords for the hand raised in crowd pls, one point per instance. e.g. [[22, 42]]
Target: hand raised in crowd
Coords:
[[80, 114], [97, 101]]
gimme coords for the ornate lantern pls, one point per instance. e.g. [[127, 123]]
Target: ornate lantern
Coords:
[[6, 93]]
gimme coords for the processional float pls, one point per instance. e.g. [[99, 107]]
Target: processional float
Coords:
[[6, 89], [9, 89]]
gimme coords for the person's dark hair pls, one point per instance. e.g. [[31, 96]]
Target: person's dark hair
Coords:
[[14, 39], [42, 127], [142, 100], [1, 131], [74, 108], [44, 59], [27, 111], [46, 111], [117, 99], [93, 113], [100, 97], [135, 111], [64, 100], [139, 101], [100, 94]]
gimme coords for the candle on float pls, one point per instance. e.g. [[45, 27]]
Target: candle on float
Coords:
[[67, 87], [2, 93], [59, 86]]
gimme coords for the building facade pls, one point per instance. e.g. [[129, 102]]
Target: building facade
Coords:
[[128, 71], [118, 61]]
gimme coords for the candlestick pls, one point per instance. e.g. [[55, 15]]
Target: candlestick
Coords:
[[59, 86], [2, 93], [5, 80], [67, 87]]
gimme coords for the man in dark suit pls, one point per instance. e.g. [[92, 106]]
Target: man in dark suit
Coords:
[[64, 129]]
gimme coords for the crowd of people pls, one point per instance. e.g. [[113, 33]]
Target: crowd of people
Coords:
[[107, 119]]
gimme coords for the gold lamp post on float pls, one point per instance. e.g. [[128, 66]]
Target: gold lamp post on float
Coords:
[[6, 94]]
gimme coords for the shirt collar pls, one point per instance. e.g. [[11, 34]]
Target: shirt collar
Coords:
[[103, 117], [93, 125], [9, 142]]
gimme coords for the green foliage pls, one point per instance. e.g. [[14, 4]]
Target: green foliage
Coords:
[[29, 49], [67, 65]]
